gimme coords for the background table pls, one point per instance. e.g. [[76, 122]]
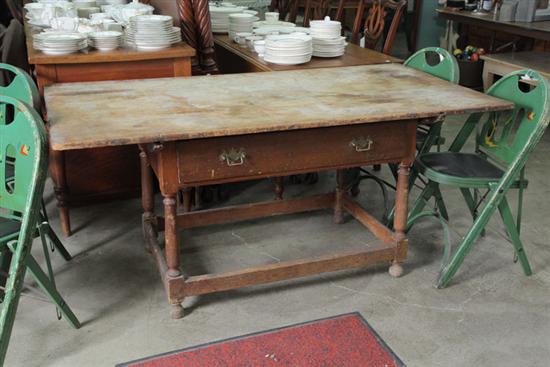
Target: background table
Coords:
[[232, 58], [497, 65], [261, 125], [90, 176]]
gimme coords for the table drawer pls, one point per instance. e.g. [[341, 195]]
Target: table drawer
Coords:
[[281, 153]]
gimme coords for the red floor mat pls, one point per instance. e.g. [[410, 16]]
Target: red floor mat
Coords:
[[339, 341]]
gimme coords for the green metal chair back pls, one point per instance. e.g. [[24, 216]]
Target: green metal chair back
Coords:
[[22, 87], [26, 137], [444, 66], [505, 136]]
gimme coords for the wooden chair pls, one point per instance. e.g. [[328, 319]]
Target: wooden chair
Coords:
[[503, 145], [374, 25]]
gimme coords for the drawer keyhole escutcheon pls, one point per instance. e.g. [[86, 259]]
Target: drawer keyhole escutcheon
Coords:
[[233, 157], [362, 144]]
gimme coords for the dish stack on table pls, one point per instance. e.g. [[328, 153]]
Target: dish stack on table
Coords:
[[58, 43], [219, 16], [105, 40], [327, 38], [240, 22], [291, 49], [152, 32]]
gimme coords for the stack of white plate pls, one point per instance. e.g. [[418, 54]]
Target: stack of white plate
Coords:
[[105, 40], [84, 3], [288, 49], [152, 32], [325, 28], [329, 47], [219, 16], [59, 43], [241, 22], [327, 39]]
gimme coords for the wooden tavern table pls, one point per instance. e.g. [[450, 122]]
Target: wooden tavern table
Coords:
[[92, 175], [260, 125], [233, 58]]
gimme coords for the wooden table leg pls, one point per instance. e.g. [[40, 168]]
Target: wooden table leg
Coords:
[[339, 197], [147, 193], [401, 210], [57, 169], [278, 187], [186, 193], [171, 248]]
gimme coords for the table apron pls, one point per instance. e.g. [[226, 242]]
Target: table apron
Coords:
[[242, 157]]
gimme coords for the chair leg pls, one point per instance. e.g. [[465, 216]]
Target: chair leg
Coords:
[[471, 201], [420, 202], [440, 203], [50, 290], [468, 240], [49, 232], [508, 220]]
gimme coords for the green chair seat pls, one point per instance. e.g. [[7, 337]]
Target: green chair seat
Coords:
[[458, 169], [9, 229]]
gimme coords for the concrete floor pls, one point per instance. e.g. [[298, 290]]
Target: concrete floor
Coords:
[[491, 314]]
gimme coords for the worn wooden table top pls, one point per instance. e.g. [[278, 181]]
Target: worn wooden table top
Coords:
[[539, 30], [354, 56], [90, 55], [85, 115]]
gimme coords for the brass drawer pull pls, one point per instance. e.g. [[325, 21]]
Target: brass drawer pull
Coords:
[[362, 144], [233, 157]]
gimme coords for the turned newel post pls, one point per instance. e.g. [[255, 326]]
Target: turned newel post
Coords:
[[188, 30], [205, 37]]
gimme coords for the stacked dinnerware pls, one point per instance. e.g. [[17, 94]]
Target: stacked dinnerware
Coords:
[[240, 22], [219, 16], [59, 43], [105, 40], [329, 47], [288, 49], [327, 39], [152, 32]]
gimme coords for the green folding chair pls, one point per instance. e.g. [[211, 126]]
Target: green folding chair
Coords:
[[437, 62], [504, 142], [24, 140]]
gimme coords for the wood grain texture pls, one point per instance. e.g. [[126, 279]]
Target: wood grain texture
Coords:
[[354, 56], [85, 115]]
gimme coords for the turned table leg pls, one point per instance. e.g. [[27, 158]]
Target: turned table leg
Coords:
[[339, 197], [57, 169], [171, 247], [401, 209]]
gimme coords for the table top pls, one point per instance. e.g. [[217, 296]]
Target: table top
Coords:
[[539, 30], [354, 56], [539, 61], [37, 57], [98, 114]]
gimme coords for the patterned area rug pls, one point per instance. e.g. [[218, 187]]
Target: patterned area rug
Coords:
[[339, 341]]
